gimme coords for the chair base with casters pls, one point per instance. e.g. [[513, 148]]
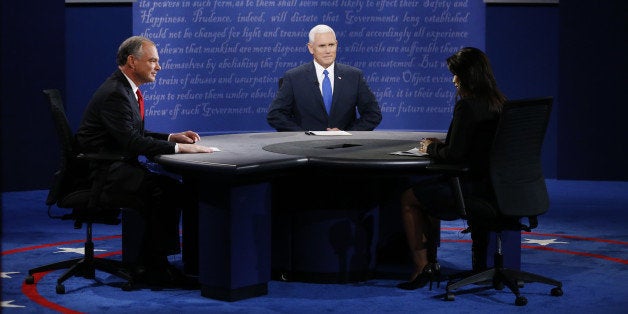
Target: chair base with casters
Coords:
[[86, 266], [500, 277]]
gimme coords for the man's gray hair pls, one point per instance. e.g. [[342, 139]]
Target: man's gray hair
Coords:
[[320, 29], [131, 46]]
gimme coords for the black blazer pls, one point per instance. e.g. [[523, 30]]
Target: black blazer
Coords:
[[469, 139], [299, 105], [112, 123]]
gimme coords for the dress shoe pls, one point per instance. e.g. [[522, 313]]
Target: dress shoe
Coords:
[[165, 276], [429, 274], [180, 280]]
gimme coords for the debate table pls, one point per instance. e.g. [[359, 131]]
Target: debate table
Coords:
[[234, 193]]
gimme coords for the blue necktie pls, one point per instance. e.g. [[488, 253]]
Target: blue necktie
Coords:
[[327, 92]]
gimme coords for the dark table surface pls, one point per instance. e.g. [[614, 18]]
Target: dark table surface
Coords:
[[259, 153]]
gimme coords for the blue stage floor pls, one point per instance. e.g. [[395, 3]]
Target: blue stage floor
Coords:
[[582, 241]]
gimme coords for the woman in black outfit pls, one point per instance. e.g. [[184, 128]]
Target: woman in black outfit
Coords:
[[468, 141]]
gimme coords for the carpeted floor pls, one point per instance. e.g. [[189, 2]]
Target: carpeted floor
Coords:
[[582, 241]]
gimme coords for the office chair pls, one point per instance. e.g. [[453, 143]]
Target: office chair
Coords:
[[519, 189], [71, 189]]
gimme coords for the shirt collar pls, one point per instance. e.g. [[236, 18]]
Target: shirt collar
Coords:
[[133, 86], [319, 69]]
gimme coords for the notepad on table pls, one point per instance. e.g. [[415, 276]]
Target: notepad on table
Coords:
[[327, 133], [411, 152]]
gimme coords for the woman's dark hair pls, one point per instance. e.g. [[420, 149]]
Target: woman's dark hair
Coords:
[[475, 77]]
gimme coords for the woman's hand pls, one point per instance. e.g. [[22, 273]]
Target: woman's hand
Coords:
[[424, 143]]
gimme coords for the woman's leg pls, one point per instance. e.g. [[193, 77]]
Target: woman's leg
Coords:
[[432, 240], [416, 227], [479, 247]]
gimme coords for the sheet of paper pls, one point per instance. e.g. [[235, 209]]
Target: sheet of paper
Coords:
[[327, 133], [411, 152]]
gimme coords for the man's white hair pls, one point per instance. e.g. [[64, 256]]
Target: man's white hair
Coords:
[[320, 29]]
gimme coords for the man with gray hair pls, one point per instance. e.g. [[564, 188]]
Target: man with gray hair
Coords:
[[113, 123], [323, 94]]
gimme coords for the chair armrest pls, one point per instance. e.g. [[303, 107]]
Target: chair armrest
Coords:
[[101, 157], [449, 169]]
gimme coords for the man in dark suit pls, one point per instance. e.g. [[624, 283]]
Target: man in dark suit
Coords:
[[113, 123], [300, 103]]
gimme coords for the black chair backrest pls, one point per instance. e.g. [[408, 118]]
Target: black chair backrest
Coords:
[[71, 175], [61, 124], [515, 165]]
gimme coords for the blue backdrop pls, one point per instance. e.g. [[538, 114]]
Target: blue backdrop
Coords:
[[221, 60]]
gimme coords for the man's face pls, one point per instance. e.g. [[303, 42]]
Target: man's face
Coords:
[[146, 65], [324, 48]]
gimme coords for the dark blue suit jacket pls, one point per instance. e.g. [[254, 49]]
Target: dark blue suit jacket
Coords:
[[112, 123], [299, 105]]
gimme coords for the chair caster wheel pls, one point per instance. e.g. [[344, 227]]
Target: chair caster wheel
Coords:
[[450, 296], [60, 289], [521, 301], [29, 280], [557, 292]]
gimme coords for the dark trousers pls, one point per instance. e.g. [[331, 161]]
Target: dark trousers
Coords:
[[153, 196], [161, 215]]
